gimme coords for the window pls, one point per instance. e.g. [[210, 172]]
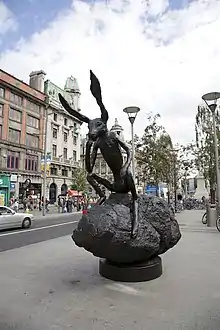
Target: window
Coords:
[[65, 121], [53, 171], [1, 110], [74, 155], [33, 106], [13, 160], [55, 116], [31, 163], [14, 135], [65, 137], [33, 122], [15, 115], [54, 133], [32, 141], [2, 92], [65, 153], [64, 172], [54, 150], [75, 140], [16, 99], [4, 210]]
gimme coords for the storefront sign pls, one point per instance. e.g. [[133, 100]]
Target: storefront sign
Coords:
[[1, 182], [14, 178], [12, 186]]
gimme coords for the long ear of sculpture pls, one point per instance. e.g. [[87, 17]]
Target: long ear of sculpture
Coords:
[[71, 111], [95, 89]]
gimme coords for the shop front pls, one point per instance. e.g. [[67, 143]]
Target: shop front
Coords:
[[4, 189]]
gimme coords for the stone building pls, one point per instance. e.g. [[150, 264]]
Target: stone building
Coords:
[[62, 132], [22, 113]]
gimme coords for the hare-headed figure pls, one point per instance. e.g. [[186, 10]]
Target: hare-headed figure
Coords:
[[109, 144]]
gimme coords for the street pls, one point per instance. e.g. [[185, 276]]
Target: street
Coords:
[[43, 229], [56, 285]]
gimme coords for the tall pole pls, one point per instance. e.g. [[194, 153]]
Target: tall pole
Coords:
[[216, 159], [45, 164], [133, 150], [175, 197]]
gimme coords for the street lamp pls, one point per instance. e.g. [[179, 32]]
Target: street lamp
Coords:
[[211, 102], [132, 113], [45, 158]]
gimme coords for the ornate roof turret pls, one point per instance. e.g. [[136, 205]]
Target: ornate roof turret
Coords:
[[71, 85], [117, 128]]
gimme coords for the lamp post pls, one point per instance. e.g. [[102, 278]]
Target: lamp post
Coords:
[[211, 102], [132, 114], [45, 158]]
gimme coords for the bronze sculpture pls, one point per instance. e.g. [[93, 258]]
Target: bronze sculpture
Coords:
[[110, 146]]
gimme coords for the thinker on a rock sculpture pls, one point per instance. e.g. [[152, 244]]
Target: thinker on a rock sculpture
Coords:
[[110, 146]]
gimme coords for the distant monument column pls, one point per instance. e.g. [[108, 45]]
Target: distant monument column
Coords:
[[201, 188]]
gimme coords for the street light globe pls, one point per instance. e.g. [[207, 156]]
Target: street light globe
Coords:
[[211, 100], [131, 112]]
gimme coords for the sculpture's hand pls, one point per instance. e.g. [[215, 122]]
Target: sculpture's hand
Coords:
[[123, 172]]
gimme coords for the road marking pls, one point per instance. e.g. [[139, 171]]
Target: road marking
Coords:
[[40, 228]]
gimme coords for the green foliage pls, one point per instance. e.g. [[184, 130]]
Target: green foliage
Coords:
[[79, 180], [157, 158], [153, 152], [204, 149]]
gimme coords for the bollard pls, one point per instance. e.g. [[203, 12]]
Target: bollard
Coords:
[[211, 215]]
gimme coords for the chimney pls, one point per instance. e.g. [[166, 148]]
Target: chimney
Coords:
[[37, 80]]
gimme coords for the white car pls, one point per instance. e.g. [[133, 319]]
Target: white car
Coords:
[[10, 219]]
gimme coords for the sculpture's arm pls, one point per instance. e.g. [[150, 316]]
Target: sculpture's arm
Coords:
[[90, 156], [87, 158], [94, 155], [128, 152]]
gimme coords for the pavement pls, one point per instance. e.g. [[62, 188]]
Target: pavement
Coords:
[[54, 285]]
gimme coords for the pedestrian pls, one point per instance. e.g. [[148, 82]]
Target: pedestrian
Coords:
[[15, 205]]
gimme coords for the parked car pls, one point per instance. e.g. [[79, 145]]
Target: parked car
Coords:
[[10, 219]]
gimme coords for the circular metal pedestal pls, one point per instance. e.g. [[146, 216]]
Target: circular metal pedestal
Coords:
[[141, 272]]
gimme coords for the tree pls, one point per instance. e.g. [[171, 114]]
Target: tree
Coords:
[[79, 180], [153, 153], [204, 149]]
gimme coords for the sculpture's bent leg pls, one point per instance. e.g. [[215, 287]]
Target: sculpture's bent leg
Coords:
[[96, 187], [134, 207], [103, 182]]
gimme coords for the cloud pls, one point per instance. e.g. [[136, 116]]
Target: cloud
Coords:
[[144, 55], [7, 19]]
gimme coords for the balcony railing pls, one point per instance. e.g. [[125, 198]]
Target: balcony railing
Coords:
[[62, 160]]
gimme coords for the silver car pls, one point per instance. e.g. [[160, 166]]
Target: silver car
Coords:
[[10, 219]]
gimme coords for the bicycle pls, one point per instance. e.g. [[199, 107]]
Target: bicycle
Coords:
[[204, 219], [218, 223]]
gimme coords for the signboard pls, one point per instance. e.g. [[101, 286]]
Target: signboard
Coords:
[[1, 182], [2, 199], [12, 186], [14, 178], [48, 162], [151, 188]]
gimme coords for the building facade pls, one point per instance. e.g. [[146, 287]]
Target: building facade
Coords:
[[22, 113], [62, 135]]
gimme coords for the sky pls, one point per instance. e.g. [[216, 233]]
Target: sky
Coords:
[[159, 55]]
